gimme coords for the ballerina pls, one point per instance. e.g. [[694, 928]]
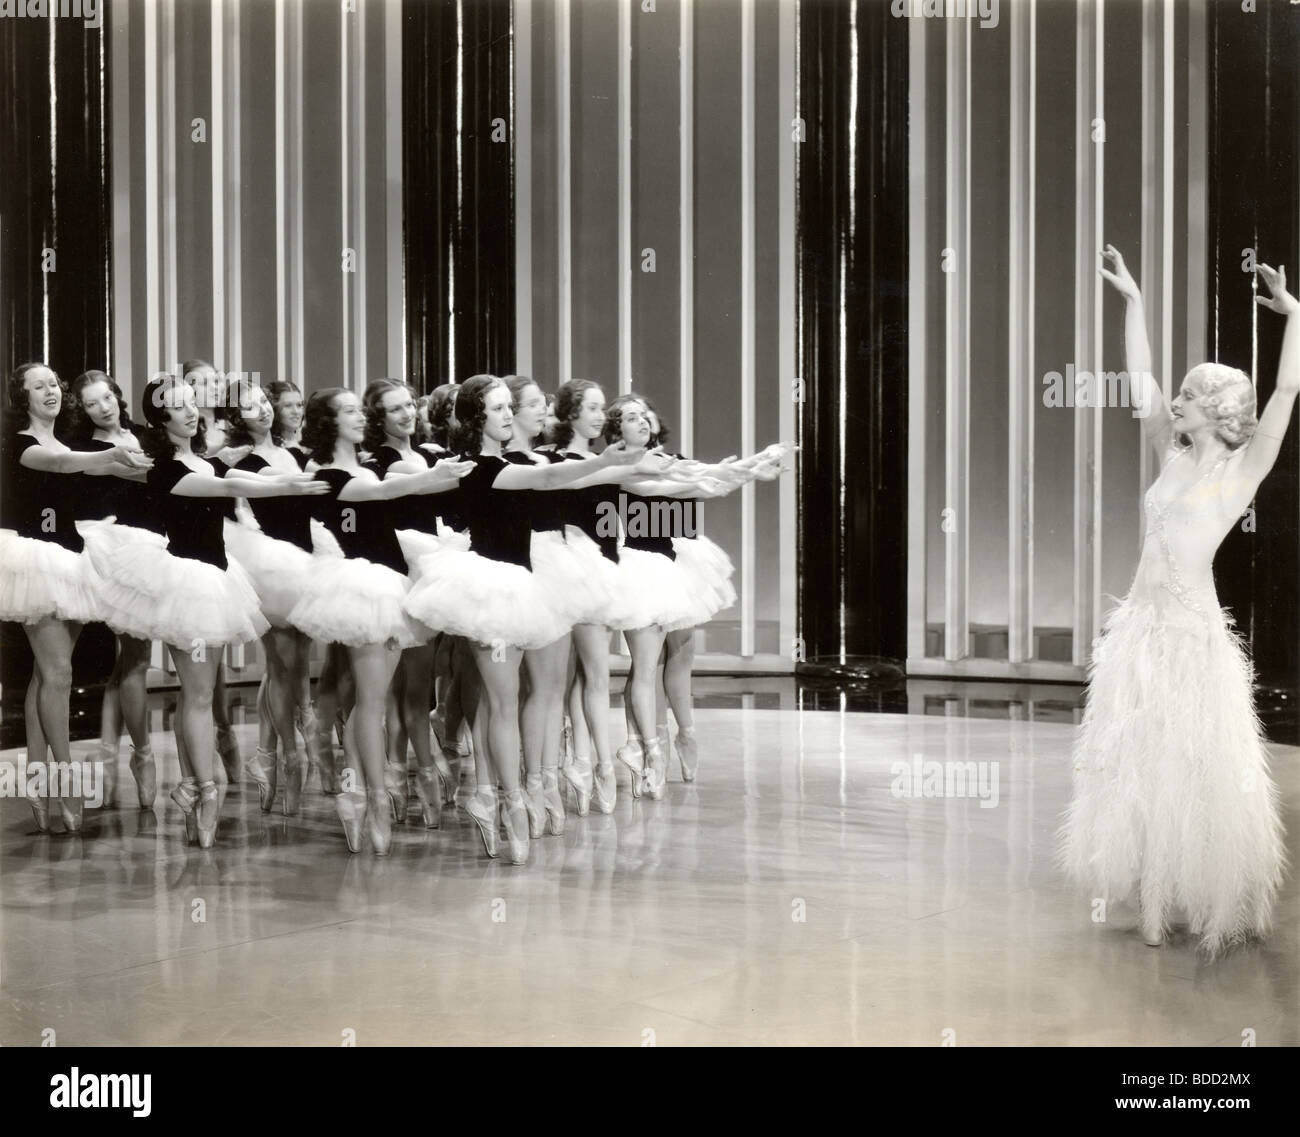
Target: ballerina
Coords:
[[190, 595], [47, 581], [101, 421], [356, 600], [490, 594], [1184, 813]]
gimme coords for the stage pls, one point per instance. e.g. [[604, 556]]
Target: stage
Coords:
[[809, 888]]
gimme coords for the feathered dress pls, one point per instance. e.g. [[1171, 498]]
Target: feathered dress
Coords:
[[1173, 803]]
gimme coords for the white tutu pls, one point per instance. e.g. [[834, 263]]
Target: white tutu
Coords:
[[1173, 802], [279, 569], [416, 544], [578, 580], [148, 593], [352, 601], [486, 601], [708, 571], [42, 578], [323, 542], [651, 590]]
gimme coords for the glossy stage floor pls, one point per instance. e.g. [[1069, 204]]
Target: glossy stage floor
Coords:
[[794, 894]]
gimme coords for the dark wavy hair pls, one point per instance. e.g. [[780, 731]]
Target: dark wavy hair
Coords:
[[237, 432], [442, 413], [568, 402], [274, 390], [81, 426], [153, 439], [320, 425], [17, 413], [467, 438], [372, 402], [614, 415], [658, 437]]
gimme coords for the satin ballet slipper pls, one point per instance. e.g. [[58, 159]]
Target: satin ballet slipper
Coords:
[[350, 805], [309, 728], [263, 771], [428, 789], [514, 819], [208, 814], [579, 775], [688, 753], [40, 810], [293, 778], [535, 806], [484, 815], [553, 801], [107, 760], [145, 773], [379, 822], [228, 748], [656, 771], [604, 788], [632, 755], [395, 786]]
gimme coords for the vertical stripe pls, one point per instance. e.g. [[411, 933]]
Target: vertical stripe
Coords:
[[120, 360], [747, 270], [957, 347], [357, 94], [1197, 240], [152, 171], [686, 225], [624, 196], [216, 140], [521, 135], [786, 367], [919, 276], [1020, 333], [282, 347], [345, 214], [563, 191], [232, 192]]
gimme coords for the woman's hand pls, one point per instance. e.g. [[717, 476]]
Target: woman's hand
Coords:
[[445, 469], [1281, 300], [301, 485], [232, 455], [1120, 278], [130, 455], [617, 454], [652, 463]]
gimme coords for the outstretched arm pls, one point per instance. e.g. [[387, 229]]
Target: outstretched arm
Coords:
[[124, 458], [1147, 398], [1262, 450]]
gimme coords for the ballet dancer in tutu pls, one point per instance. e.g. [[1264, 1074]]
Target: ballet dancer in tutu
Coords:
[[190, 594], [47, 582], [1172, 799], [356, 600], [101, 421], [489, 592], [272, 542]]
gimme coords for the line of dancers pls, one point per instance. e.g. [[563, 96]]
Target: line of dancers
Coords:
[[469, 552]]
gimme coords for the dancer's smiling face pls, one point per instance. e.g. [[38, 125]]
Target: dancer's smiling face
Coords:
[[530, 411], [399, 413], [497, 415], [289, 407], [100, 405], [350, 418], [44, 393], [1186, 411], [209, 387], [182, 413], [256, 411], [590, 420], [634, 425]]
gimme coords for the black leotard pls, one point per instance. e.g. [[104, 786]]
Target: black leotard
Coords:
[[414, 511], [40, 505], [284, 518], [193, 524], [546, 508], [499, 521], [592, 508], [130, 502], [363, 529]]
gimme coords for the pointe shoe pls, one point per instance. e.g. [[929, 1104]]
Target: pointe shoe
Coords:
[[41, 811], [656, 775], [1152, 933], [351, 808], [326, 763], [605, 788], [446, 778], [379, 822], [186, 795], [552, 801], [535, 807], [263, 771], [428, 788], [309, 727], [108, 776], [514, 817], [578, 774], [228, 748], [145, 774], [395, 785], [632, 755], [70, 812], [688, 753], [485, 817], [293, 778], [209, 808]]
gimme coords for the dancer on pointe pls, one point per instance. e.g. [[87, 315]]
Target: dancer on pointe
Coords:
[[489, 593], [47, 582], [1181, 811], [356, 600], [190, 595], [101, 421]]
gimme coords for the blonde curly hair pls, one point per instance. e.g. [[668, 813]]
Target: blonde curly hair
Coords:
[[1228, 398]]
